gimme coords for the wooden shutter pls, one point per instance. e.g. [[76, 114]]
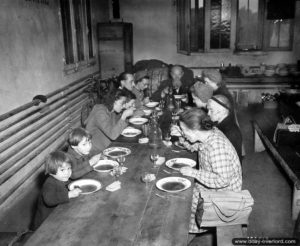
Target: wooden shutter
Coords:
[[183, 27]]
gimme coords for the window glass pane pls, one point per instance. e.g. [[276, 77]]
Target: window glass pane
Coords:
[[280, 34], [197, 25], [284, 33], [248, 35], [89, 26], [220, 24], [67, 31], [78, 28]]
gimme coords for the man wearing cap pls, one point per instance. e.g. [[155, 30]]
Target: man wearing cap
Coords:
[[213, 78], [179, 85], [141, 83], [220, 111], [201, 93]]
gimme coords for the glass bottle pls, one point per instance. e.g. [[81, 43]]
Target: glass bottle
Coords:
[[155, 134], [170, 100]]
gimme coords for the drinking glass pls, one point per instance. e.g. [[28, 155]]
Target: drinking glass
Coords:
[[167, 136], [117, 172], [145, 179], [121, 159], [145, 129], [154, 157], [178, 103], [174, 118]]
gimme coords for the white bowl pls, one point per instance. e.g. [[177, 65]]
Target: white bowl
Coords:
[[152, 104], [138, 120], [178, 96]]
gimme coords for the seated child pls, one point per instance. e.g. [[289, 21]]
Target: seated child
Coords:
[[54, 191], [80, 146]]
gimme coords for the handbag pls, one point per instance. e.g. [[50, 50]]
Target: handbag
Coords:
[[222, 208]]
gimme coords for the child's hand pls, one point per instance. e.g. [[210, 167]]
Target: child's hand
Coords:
[[74, 193], [127, 112], [93, 161], [146, 100]]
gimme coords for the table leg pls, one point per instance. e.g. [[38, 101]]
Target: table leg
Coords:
[[258, 144], [296, 203]]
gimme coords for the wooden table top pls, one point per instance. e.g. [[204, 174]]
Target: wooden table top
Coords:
[[133, 215]]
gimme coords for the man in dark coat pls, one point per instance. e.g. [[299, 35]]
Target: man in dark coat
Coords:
[[179, 82]]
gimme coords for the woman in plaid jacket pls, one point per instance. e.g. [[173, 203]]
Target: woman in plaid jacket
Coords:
[[219, 165]]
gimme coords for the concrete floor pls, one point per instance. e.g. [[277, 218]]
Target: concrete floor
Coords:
[[271, 190]]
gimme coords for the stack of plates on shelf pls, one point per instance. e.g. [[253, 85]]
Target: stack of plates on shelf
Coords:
[[270, 70], [283, 72], [282, 69]]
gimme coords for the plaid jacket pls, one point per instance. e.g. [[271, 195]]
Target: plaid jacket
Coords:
[[219, 169]]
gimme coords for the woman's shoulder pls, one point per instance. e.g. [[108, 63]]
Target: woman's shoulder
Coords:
[[217, 137], [99, 108]]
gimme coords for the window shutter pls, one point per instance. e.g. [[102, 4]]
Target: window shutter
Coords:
[[183, 26]]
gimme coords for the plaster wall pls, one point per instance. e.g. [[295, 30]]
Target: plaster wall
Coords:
[[32, 50]]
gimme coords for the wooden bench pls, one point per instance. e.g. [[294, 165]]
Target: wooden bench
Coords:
[[27, 135]]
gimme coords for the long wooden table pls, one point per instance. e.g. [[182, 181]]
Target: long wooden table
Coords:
[[134, 215], [287, 156]]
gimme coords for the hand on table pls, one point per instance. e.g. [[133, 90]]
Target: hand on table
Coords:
[[74, 193], [176, 131], [187, 171], [146, 100], [93, 161]]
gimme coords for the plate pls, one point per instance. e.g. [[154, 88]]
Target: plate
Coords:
[[115, 152], [131, 132], [104, 166], [173, 184], [87, 186], [178, 96], [152, 104], [138, 120], [178, 163]]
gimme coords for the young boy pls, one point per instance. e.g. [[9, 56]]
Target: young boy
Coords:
[[79, 150], [54, 191]]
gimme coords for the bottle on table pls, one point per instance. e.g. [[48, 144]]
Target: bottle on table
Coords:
[[170, 100], [155, 134]]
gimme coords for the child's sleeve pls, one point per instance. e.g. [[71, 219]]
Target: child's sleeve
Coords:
[[80, 168], [54, 194]]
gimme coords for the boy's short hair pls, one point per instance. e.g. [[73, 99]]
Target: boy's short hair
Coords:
[[76, 136], [55, 160]]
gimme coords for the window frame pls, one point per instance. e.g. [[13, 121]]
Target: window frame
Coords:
[[87, 61], [264, 30]]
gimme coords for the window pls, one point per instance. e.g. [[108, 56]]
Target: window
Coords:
[[242, 25], [77, 34], [203, 25], [265, 25], [249, 31]]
